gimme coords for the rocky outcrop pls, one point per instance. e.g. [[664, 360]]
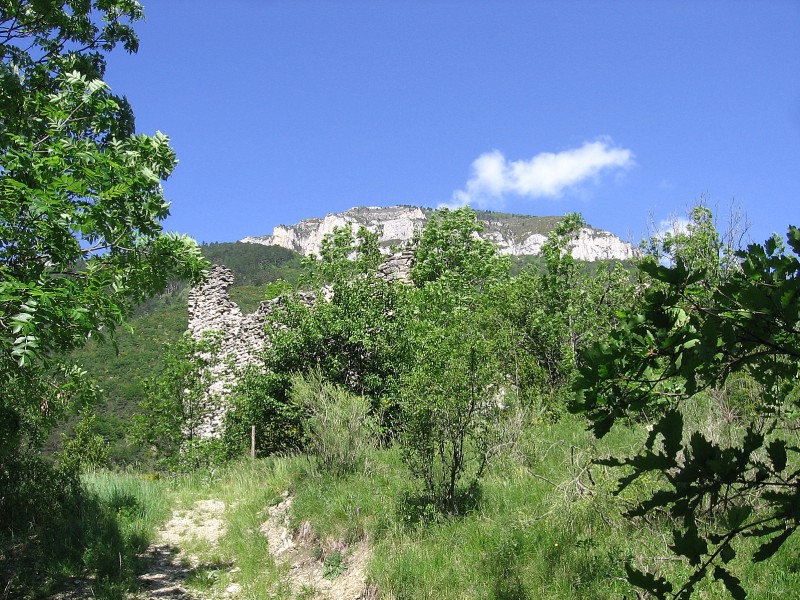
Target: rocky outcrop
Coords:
[[240, 338], [395, 226], [593, 244], [211, 309], [397, 267], [517, 235]]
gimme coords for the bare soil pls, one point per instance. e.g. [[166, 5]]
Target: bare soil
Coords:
[[169, 563], [300, 553], [303, 557]]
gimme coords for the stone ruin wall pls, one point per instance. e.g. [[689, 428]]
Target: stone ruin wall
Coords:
[[242, 336]]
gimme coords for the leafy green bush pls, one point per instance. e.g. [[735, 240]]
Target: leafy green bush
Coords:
[[450, 388], [339, 428], [260, 399], [449, 414], [84, 448], [177, 407], [546, 315], [701, 328], [352, 331]]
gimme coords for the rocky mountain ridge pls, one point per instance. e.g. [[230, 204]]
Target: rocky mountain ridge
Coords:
[[517, 235]]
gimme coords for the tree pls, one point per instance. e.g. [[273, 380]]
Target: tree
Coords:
[[688, 337], [352, 330], [81, 242], [81, 203], [549, 315], [346, 322], [451, 389], [176, 407], [343, 257], [449, 250], [451, 406], [697, 243]]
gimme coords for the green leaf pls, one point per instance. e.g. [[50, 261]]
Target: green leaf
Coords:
[[769, 548], [732, 583], [776, 450], [793, 238], [671, 427]]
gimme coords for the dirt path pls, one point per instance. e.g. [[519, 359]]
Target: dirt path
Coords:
[[323, 570], [308, 575], [170, 564]]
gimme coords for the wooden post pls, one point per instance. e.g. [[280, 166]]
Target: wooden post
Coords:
[[253, 442]]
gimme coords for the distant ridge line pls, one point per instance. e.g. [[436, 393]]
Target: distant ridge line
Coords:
[[516, 235]]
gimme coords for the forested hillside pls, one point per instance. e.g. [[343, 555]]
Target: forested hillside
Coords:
[[121, 369]]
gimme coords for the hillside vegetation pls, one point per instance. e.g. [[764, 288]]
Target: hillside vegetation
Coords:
[[554, 432], [121, 369]]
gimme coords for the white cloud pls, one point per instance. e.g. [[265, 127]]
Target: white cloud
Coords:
[[672, 226], [546, 175]]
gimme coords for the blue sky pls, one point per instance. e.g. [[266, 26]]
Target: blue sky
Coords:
[[624, 111]]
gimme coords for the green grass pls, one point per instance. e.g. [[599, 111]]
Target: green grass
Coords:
[[541, 529], [128, 508], [139, 503], [545, 525], [92, 532], [526, 539]]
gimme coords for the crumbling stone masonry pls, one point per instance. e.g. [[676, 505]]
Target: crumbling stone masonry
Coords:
[[242, 337], [397, 267]]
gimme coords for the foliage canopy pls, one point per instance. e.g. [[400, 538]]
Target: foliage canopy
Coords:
[[81, 240], [690, 336], [450, 385], [81, 202]]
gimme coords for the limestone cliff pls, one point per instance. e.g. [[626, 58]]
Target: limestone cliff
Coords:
[[396, 225], [517, 235]]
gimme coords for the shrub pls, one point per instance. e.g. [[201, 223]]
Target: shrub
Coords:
[[259, 400], [84, 448], [177, 408], [339, 428], [450, 415]]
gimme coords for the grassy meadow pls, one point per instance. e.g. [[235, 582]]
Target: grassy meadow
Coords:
[[544, 524]]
